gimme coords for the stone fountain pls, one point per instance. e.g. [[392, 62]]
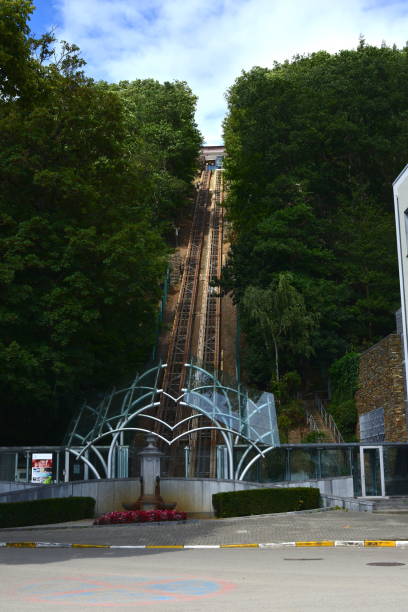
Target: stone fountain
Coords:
[[150, 498]]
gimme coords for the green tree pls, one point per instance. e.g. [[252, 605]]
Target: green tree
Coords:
[[279, 311], [82, 252], [313, 147], [163, 140], [15, 48]]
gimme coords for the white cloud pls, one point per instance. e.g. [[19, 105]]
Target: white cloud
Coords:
[[207, 44]]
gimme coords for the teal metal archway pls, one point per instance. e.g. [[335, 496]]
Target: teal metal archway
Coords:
[[241, 419]]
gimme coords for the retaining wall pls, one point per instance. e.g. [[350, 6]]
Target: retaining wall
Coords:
[[354, 504], [193, 495], [6, 486]]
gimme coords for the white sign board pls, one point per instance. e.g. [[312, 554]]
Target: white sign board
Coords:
[[41, 468]]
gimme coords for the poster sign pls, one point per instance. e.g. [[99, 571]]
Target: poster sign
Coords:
[[41, 468]]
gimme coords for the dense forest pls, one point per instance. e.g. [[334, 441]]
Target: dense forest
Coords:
[[313, 147], [92, 176]]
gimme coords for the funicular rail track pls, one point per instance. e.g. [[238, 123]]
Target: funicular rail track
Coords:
[[203, 444], [197, 321], [211, 352], [181, 335]]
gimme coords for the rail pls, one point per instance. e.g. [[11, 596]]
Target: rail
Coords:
[[208, 350], [311, 422], [197, 321], [328, 420], [180, 341]]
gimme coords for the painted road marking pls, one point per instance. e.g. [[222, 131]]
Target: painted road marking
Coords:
[[202, 546], [306, 543], [128, 546], [90, 546], [379, 543], [317, 543], [121, 591], [166, 546], [277, 544], [239, 545]]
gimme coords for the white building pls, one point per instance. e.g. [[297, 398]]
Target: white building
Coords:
[[400, 186]]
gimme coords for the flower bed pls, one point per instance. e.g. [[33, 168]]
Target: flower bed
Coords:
[[140, 516]]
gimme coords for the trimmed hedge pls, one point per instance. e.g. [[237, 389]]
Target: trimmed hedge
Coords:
[[44, 511], [265, 501]]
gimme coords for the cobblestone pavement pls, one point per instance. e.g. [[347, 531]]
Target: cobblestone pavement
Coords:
[[332, 525]]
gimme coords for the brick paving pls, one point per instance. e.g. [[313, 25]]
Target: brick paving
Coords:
[[332, 525]]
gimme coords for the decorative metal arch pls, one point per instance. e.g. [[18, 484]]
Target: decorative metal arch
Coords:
[[239, 418]]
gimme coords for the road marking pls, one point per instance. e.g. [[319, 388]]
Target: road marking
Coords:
[[318, 543], [120, 592], [127, 546], [299, 544], [90, 546], [202, 546], [277, 544], [166, 546], [239, 545], [381, 543]]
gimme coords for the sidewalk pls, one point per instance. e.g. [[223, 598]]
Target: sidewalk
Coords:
[[305, 527]]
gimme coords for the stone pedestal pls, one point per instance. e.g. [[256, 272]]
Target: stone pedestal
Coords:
[[150, 465], [150, 498]]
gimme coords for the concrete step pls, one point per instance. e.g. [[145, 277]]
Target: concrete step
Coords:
[[322, 426], [392, 505]]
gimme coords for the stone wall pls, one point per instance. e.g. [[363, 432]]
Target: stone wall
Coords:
[[381, 385], [193, 495]]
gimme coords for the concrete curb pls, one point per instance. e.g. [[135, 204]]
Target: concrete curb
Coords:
[[90, 523], [299, 544]]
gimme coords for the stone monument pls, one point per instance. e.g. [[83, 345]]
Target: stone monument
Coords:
[[150, 498]]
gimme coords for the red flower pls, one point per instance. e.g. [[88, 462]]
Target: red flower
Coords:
[[140, 516]]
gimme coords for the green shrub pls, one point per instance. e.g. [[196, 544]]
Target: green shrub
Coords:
[[265, 501], [345, 415], [43, 511], [314, 437]]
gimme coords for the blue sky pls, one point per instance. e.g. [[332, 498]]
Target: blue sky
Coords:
[[44, 17], [207, 43]]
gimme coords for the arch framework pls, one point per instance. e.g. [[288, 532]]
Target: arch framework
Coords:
[[246, 424]]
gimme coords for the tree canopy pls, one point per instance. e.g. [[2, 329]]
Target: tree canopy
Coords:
[[91, 175], [313, 147]]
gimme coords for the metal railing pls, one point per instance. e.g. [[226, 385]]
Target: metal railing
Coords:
[[311, 422], [327, 420]]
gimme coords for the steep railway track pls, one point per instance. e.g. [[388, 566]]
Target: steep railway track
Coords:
[[179, 350], [197, 321], [203, 444]]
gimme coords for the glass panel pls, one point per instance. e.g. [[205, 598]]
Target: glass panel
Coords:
[[7, 466], [273, 467], [372, 471], [303, 464], [334, 463], [396, 470], [356, 471], [23, 475]]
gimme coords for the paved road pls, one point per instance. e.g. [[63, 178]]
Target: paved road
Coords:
[[284, 579], [334, 525], [202, 580]]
